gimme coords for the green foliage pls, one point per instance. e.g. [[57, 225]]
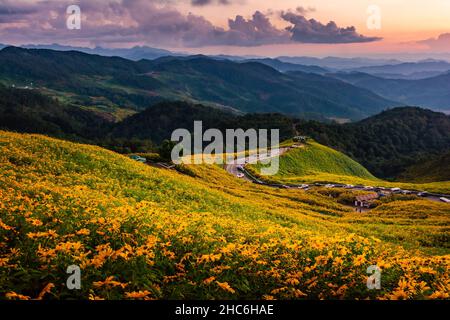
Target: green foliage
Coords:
[[165, 150], [29, 111], [388, 143], [139, 232], [435, 169], [314, 159], [158, 122], [249, 87], [184, 169]]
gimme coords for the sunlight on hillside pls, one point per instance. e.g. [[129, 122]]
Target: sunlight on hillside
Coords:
[[140, 232], [318, 163]]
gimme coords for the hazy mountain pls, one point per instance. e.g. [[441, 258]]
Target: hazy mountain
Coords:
[[286, 66], [425, 66], [135, 53], [430, 92], [234, 58], [338, 63], [411, 76], [94, 80]]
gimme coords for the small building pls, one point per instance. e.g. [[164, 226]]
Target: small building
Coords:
[[301, 139], [366, 200]]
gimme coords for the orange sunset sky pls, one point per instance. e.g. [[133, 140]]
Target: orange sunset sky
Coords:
[[403, 24], [409, 28]]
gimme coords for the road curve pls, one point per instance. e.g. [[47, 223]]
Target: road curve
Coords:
[[233, 168]]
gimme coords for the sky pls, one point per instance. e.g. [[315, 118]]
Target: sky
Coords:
[[394, 28]]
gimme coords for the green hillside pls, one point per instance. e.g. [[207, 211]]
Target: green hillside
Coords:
[[31, 112], [143, 233], [158, 122], [91, 80], [315, 161], [389, 142]]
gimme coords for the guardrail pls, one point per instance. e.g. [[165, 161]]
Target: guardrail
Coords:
[[318, 184]]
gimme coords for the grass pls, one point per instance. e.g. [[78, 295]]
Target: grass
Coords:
[[318, 163], [139, 232]]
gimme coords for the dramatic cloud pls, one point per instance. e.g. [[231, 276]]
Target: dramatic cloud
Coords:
[[313, 31], [157, 23], [442, 42]]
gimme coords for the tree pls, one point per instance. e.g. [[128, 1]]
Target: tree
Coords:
[[165, 150]]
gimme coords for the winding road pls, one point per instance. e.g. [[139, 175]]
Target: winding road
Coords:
[[237, 168]]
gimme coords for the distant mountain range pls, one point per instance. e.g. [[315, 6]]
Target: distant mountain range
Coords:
[[339, 63], [135, 53], [286, 66], [430, 92], [384, 68], [412, 70], [92, 80], [141, 76]]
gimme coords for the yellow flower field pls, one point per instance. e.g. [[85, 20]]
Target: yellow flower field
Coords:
[[143, 233]]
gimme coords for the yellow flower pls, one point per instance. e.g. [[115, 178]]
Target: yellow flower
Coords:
[[209, 258], [359, 260], [299, 294], [439, 295], [49, 234], [137, 294], [46, 290], [83, 232], [399, 295], [68, 246], [225, 286], [209, 280], [34, 222], [4, 262], [4, 226], [338, 261], [109, 282], [12, 295]]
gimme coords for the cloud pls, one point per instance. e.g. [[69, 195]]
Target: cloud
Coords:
[[157, 23], [305, 11], [208, 2], [313, 31], [442, 42]]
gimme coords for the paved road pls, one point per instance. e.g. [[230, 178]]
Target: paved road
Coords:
[[233, 168]]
